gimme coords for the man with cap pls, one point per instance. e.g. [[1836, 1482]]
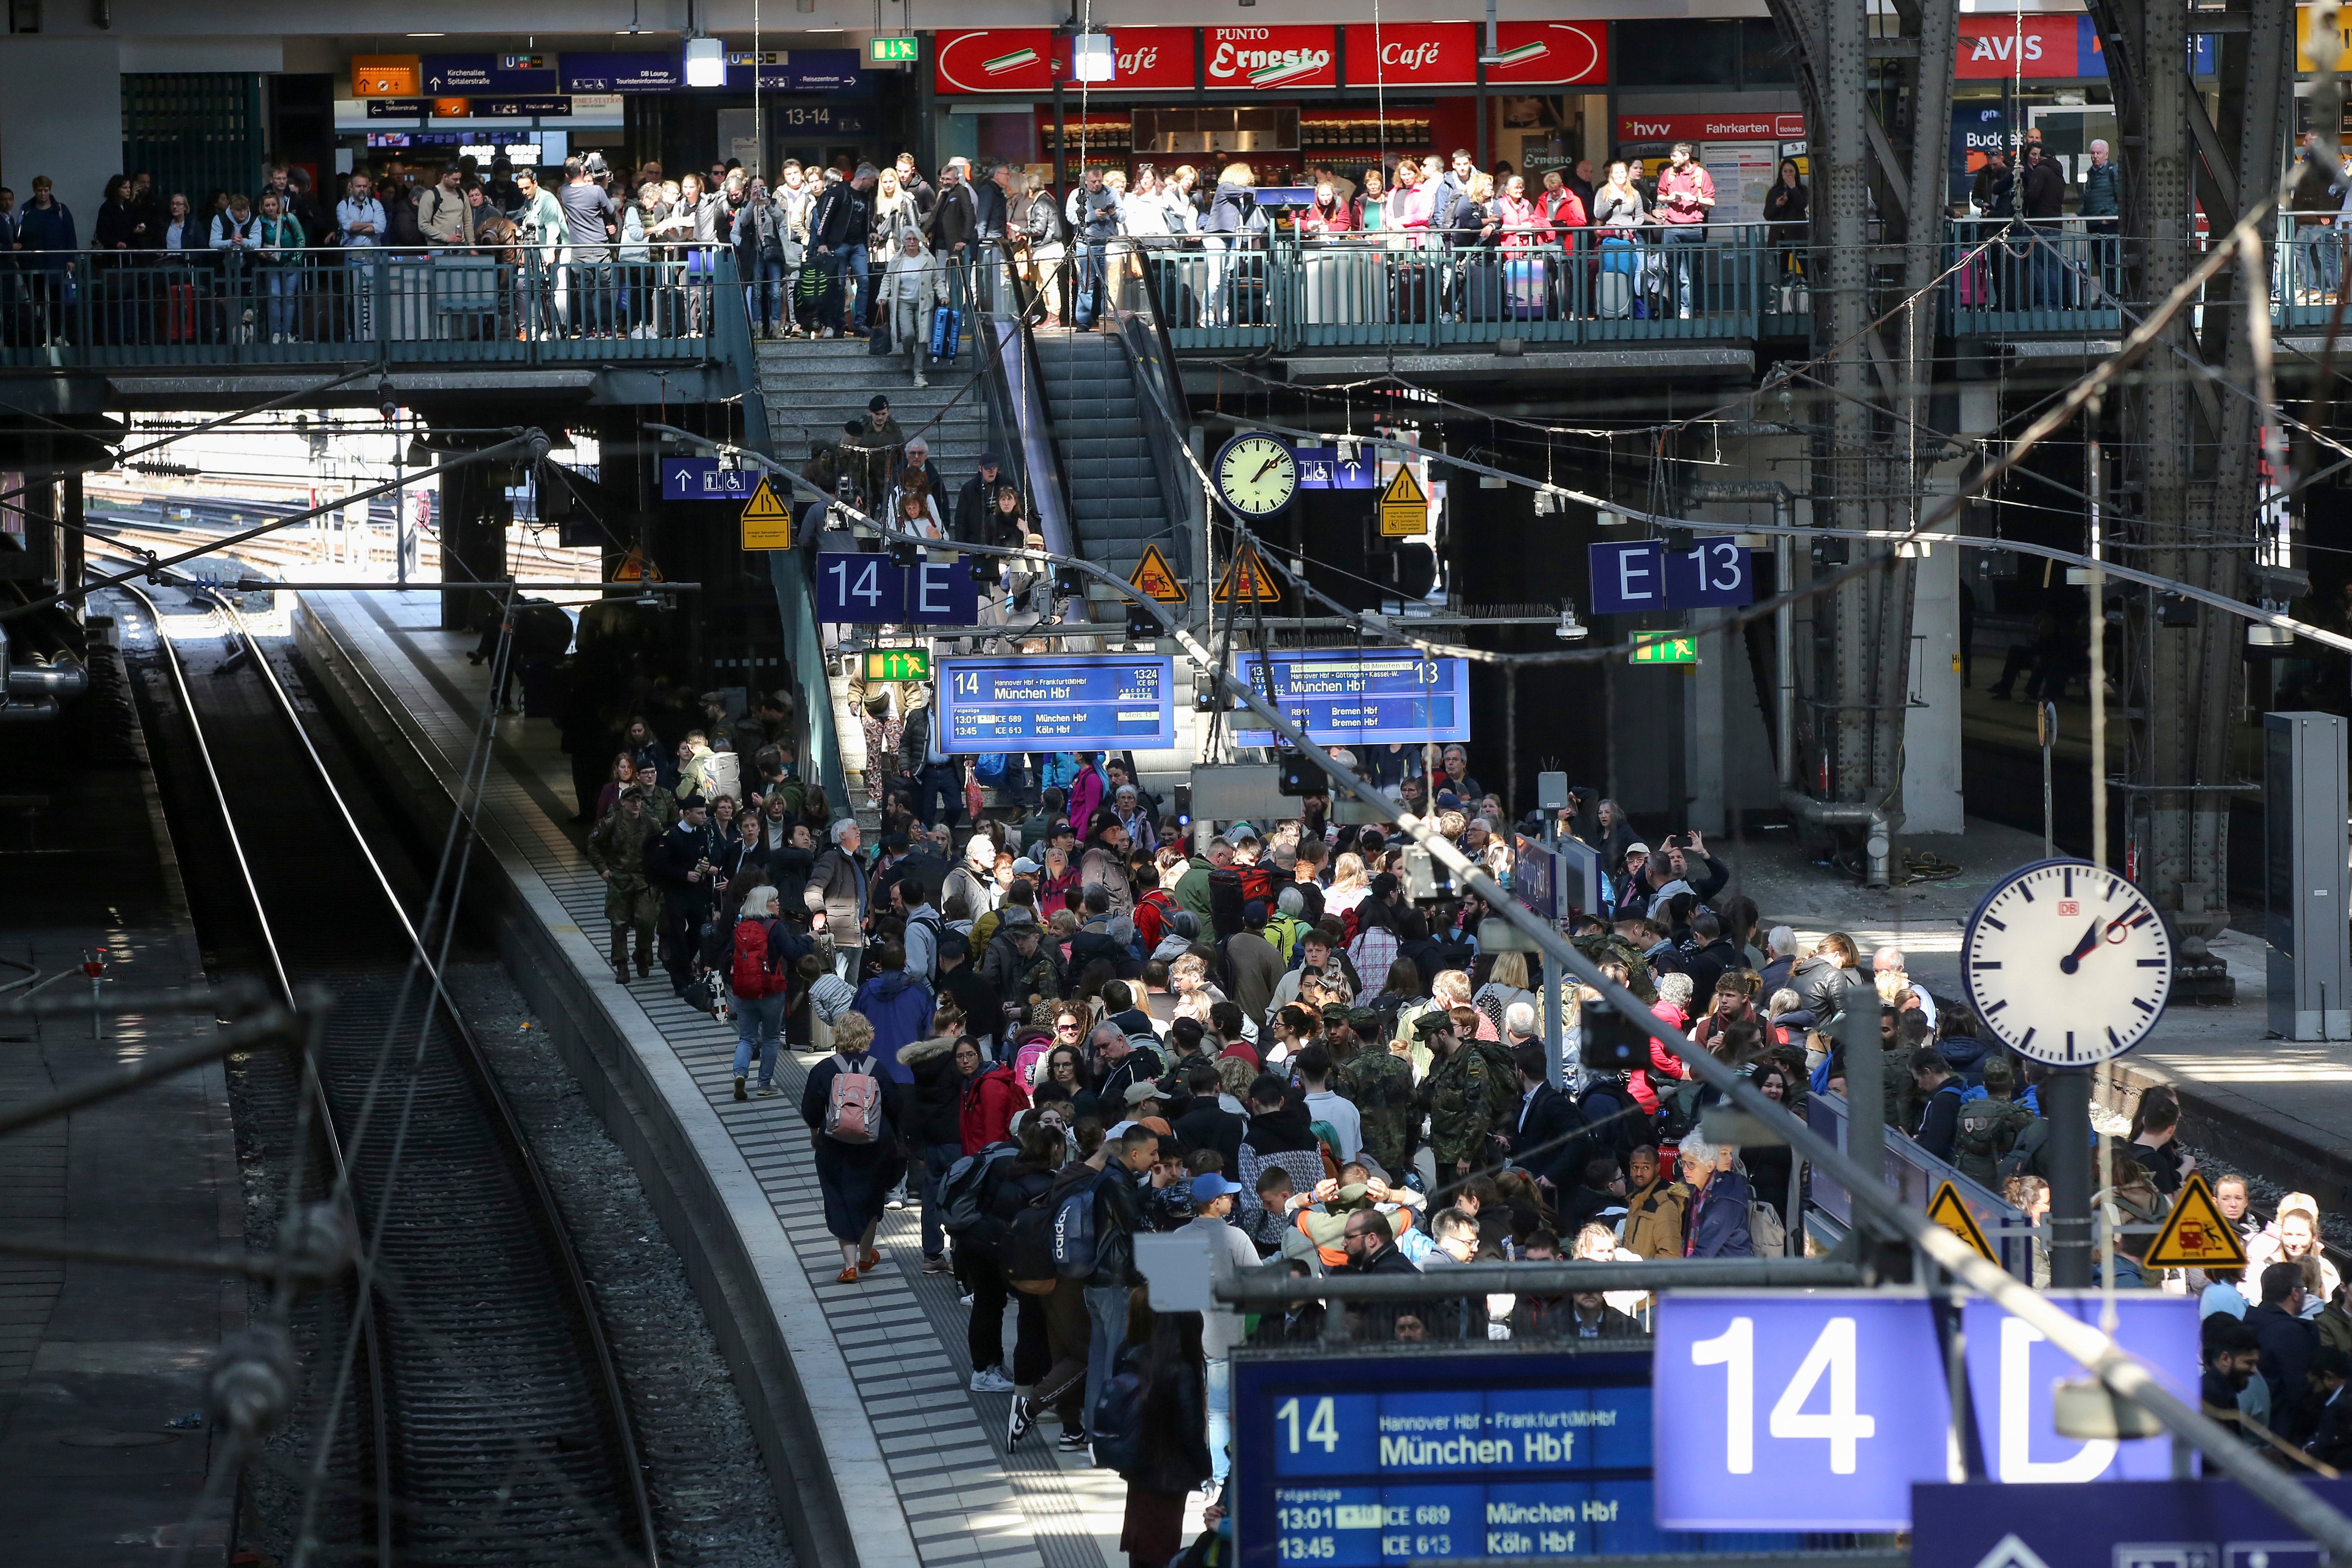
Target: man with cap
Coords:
[[616, 852], [1459, 1095], [1016, 967], [680, 863], [1143, 1100], [1253, 963], [976, 504], [1633, 890], [1378, 1080], [1230, 1252]]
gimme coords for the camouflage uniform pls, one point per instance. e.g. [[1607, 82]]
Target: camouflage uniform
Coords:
[[617, 848], [1379, 1084], [1988, 1129], [1459, 1094]]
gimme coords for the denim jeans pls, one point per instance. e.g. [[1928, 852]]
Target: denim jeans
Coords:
[[857, 265], [1089, 302], [1106, 1316], [1221, 1415], [763, 294], [2046, 273], [936, 1158], [1679, 239], [759, 1026], [940, 795], [285, 292]]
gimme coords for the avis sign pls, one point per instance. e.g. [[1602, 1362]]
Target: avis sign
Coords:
[[1633, 576]]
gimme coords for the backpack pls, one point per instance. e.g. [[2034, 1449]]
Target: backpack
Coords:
[[1116, 1420], [1028, 1254], [853, 1109], [1767, 1230], [1225, 899], [1976, 1141], [964, 1194], [2024, 1154], [933, 922], [757, 969], [1074, 1233]]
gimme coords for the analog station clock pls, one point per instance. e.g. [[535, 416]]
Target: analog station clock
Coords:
[[2067, 963], [1257, 474]]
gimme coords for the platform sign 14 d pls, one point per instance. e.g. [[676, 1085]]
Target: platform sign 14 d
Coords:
[[1053, 703]]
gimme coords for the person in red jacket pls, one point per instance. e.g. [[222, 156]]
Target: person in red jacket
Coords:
[[992, 1095]]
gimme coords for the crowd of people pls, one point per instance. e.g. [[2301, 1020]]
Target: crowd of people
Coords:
[[1075, 1024], [840, 249]]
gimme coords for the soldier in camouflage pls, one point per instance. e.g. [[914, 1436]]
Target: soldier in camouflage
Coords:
[[1379, 1083], [617, 851], [1459, 1094]]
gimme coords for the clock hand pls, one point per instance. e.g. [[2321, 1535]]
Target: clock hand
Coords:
[[1262, 473], [2073, 960]]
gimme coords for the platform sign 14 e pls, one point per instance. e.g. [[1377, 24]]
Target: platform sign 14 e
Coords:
[[1449, 1458]]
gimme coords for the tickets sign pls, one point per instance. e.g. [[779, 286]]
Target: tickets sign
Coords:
[[1749, 127]]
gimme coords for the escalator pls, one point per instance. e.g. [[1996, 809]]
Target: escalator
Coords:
[[1119, 501]]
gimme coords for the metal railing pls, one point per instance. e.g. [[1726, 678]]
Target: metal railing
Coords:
[[478, 305], [1913, 1175], [2056, 276], [1248, 293]]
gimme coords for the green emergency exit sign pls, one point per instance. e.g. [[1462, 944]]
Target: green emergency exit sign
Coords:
[[898, 664], [891, 51], [1666, 650]]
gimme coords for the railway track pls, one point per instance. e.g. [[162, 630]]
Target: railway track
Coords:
[[462, 1405]]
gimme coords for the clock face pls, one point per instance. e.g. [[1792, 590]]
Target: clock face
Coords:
[[2067, 963], [1257, 475]]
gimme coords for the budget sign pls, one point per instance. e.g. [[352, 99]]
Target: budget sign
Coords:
[[1797, 1412]]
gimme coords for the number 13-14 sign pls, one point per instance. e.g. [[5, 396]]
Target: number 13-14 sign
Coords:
[[1794, 1411]]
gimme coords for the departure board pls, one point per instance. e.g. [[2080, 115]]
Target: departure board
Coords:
[[1375, 1462], [1350, 697], [1054, 702]]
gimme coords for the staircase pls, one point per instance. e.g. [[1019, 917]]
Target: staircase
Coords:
[[813, 386], [1116, 504]]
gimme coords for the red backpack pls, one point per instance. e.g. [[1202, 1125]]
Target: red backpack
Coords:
[[756, 969]]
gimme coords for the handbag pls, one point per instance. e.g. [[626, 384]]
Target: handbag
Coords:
[[877, 338]]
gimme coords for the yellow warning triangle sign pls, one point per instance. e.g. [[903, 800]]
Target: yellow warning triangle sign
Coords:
[[2196, 1235], [1952, 1213], [1248, 581], [633, 568], [1404, 506], [767, 525], [1154, 579]]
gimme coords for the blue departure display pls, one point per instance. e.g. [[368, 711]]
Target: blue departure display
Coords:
[[1343, 697], [1058, 703], [1521, 1456]]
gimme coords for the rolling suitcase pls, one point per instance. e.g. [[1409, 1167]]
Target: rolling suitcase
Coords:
[[1413, 291], [1523, 287]]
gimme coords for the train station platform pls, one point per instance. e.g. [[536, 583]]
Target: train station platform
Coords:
[[858, 1392], [102, 1365]]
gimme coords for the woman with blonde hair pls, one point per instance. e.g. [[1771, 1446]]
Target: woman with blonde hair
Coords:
[[858, 1156], [1233, 215], [1507, 983], [1039, 245], [1349, 883]]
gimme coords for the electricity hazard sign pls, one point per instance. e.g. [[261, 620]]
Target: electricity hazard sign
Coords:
[[767, 525], [1248, 581], [2195, 1234], [1154, 579], [1404, 506]]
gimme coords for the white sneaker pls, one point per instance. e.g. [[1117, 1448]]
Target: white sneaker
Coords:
[[1683, 315], [991, 1380], [896, 1200]]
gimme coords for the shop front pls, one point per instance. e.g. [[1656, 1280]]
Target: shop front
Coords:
[[1281, 98]]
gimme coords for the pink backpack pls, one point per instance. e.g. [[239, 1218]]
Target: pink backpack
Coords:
[[1024, 1058], [852, 1109]]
